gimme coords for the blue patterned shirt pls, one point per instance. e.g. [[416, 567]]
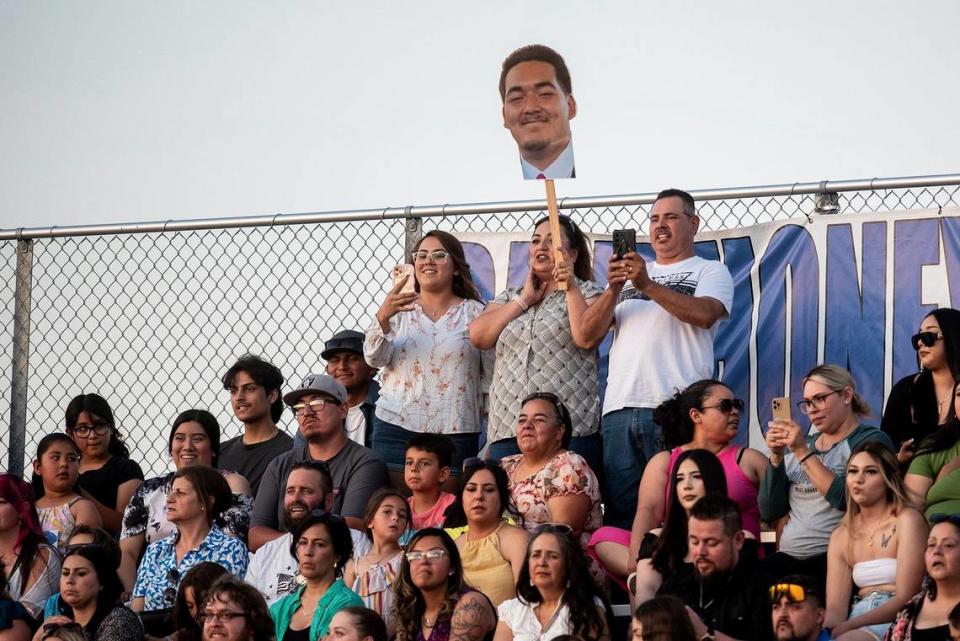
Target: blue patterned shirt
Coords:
[[155, 580]]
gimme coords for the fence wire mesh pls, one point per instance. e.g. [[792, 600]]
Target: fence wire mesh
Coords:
[[151, 321]]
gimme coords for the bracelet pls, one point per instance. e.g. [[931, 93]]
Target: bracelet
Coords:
[[808, 455], [522, 304]]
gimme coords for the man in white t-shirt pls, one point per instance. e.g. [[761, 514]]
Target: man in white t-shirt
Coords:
[[272, 569], [664, 315]]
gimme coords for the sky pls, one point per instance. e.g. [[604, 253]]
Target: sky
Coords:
[[115, 111]]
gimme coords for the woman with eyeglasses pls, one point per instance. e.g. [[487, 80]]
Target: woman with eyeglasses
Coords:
[[322, 545], [432, 601], [705, 415], [198, 496], [919, 404], [926, 616], [90, 592], [194, 439], [877, 550], [235, 611], [537, 330], [933, 478], [107, 475], [432, 380], [30, 564], [555, 593], [805, 474], [491, 549]]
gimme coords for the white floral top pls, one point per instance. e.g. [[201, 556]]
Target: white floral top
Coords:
[[433, 379]]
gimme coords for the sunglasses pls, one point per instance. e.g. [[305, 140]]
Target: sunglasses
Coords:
[[794, 593], [553, 528], [927, 338], [726, 405], [474, 461]]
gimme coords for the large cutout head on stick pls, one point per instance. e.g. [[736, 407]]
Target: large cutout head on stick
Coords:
[[538, 105]]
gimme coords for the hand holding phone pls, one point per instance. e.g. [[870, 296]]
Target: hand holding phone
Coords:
[[624, 242], [401, 272]]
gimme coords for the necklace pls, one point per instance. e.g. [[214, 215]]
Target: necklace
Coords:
[[884, 540], [427, 623]]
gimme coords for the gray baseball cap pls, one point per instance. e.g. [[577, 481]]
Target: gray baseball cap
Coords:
[[317, 384]]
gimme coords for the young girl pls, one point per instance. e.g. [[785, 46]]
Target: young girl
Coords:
[[371, 576], [61, 507]]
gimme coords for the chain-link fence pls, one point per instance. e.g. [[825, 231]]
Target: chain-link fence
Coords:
[[151, 320]]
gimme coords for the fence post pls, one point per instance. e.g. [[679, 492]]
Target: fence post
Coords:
[[412, 233], [20, 365]]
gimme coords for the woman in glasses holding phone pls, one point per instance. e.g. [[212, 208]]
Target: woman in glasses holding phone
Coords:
[[107, 475], [433, 602], [805, 474], [920, 403], [235, 611], [322, 545], [933, 477], [705, 415], [90, 592], [198, 496], [537, 332], [432, 380]]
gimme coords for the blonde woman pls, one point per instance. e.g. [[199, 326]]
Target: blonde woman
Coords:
[[877, 549]]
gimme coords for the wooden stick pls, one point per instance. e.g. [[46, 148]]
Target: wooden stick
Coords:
[[556, 238]]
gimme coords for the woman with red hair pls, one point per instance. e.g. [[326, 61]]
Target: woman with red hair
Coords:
[[31, 565]]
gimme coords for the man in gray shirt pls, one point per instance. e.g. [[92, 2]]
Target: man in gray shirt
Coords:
[[320, 405]]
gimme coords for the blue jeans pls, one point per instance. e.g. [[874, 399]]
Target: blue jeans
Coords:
[[630, 439], [389, 442], [586, 446]]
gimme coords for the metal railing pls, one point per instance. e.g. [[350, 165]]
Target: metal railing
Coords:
[[150, 315]]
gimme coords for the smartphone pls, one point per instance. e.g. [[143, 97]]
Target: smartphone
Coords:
[[624, 241], [398, 273], [781, 408]]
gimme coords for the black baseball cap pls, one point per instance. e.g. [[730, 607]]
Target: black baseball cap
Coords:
[[346, 340]]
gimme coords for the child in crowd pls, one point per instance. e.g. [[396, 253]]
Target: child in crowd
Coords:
[[426, 468], [60, 508], [371, 576]]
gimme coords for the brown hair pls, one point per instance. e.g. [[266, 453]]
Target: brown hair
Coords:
[[462, 280], [376, 500]]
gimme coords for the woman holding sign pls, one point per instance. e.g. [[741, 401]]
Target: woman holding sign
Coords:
[[433, 379], [540, 346]]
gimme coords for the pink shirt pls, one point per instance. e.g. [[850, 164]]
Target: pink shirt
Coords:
[[434, 516]]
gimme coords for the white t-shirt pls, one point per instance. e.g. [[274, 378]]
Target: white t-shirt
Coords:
[[523, 622], [653, 351], [273, 570], [356, 425]]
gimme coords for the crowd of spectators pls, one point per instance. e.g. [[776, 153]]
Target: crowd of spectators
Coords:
[[481, 490]]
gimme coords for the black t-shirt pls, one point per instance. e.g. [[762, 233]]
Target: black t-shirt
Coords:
[[102, 484], [251, 461]]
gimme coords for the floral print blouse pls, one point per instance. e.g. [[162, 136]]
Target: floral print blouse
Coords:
[[433, 379]]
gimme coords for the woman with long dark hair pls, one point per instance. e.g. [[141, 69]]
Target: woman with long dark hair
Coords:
[[537, 330], [107, 475], [191, 596], [433, 602], [90, 593], [933, 477], [491, 550], [664, 618], [555, 592], [31, 565], [433, 379], [919, 404]]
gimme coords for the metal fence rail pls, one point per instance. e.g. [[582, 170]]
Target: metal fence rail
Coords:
[[150, 315]]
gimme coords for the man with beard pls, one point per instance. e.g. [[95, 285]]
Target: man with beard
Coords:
[[797, 609], [725, 596], [272, 569]]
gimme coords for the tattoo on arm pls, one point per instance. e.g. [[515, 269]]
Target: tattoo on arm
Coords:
[[469, 622]]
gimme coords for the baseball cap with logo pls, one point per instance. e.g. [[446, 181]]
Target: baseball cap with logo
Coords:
[[317, 384]]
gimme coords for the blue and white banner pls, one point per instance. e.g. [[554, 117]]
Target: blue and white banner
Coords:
[[847, 289]]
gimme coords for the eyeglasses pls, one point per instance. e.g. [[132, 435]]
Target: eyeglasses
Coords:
[[313, 407], [927, 338], [428, 555], [224, 617], [726, 405], [815, 403], [793, 592], [101, 427], [438, 256]]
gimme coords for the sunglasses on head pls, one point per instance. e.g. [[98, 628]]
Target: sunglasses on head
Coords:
[[794, 593], [553, 528], [474, 461], [927, 338]]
